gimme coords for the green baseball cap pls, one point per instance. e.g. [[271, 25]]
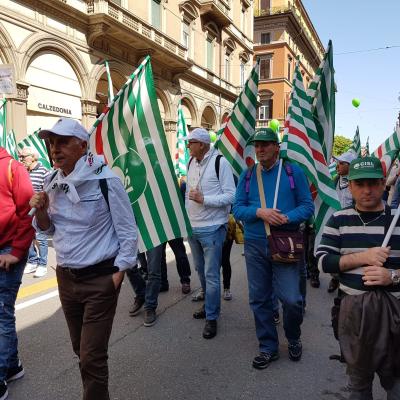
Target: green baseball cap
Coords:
[[264, 135], [365, 168]]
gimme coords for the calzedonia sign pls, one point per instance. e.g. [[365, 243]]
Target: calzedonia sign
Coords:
[[53, 108]]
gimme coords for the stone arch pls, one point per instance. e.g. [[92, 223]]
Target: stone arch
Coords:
[[189, 102], [209, 119], [98, 83], [188, 10], [225, 115], [99, 70], [230, 45], [8, 50], [165, 100], [37, 44]]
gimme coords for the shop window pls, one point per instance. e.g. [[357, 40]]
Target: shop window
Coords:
[[266, 67]]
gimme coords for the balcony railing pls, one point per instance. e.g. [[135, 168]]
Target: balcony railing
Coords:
[[224, 6], [132, 22]]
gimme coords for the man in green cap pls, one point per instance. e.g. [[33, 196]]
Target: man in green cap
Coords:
[[369, 275], [266, 276]]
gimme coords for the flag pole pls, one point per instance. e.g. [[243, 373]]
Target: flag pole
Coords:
[[391, 228], [278, 181]]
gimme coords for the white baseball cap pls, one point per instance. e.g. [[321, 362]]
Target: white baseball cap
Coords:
[[348, 157], [66, 127], [199, 134]]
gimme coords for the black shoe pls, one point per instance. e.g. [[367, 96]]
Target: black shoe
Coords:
[[210, 329], [3, 391], [164, 287], [186, 288], [137, 305], [314, 281], [263, 360], [200, 313], [15, 373], [150, 317], [333, 285], [295, 350], [276, 318]]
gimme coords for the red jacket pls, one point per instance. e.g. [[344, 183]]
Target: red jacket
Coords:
[[15, 192]]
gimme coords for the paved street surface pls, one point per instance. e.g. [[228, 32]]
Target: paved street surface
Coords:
[[171, 360]]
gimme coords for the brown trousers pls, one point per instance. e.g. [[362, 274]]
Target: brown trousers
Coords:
[[89, 307]]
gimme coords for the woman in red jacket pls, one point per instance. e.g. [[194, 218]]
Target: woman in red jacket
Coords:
[[16, 234]]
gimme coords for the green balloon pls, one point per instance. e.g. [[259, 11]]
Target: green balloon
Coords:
[[274, 125], [213, 136], [356, 102]]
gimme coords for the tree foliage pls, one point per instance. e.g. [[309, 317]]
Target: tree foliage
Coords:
[[340, 145]]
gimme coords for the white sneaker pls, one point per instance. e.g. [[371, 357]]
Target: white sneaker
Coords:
[[41, 271], [29, 268]]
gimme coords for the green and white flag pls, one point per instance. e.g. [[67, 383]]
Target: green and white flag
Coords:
[[110, 90], [182, 153], [390, 144], [388, 151], [322, 93], [11, 145], [3, 132], [301, 144], [366, 149], [130, 135], [356, 145], [34, 141], [240, 125]]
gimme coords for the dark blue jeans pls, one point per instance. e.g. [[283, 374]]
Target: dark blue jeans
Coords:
[[137, 282], [154, 278], [206, 245], [264, 276], [9, 284]]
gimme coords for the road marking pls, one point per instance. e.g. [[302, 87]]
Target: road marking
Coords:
[[36, 300], [30, 290]]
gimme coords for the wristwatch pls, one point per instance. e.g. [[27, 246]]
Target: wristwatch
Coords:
[[395, 277]]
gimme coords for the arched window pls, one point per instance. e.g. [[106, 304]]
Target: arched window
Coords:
[[212, 34]]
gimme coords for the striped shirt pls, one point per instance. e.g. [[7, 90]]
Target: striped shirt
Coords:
[[37, 176], [347, 232]]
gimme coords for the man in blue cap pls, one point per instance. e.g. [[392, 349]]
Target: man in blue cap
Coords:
[[369, 276], [294, 206]]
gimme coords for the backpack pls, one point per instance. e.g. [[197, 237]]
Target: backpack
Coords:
[[217, 163], [288, 170]]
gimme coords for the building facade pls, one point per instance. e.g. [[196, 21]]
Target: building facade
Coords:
[[201, 52], [283, 31]]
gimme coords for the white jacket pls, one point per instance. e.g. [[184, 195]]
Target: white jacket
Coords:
[[218, 193]]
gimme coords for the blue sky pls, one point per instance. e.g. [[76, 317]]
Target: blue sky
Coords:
[[373, 77]]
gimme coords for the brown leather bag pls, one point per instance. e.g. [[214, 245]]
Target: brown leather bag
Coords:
[[285, 246]]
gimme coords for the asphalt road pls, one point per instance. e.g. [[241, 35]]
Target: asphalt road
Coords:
[[171, 360]]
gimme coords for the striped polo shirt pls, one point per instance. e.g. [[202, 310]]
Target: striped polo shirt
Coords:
[[37, 176], [349, 231]]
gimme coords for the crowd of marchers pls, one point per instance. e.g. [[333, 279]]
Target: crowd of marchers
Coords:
[[82, 205]]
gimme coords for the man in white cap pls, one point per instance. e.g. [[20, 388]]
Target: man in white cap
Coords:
[[85, 208], [344, 194], [209, 194]]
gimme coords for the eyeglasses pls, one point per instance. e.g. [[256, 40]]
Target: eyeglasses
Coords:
[[192, 142], [27, 155]]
